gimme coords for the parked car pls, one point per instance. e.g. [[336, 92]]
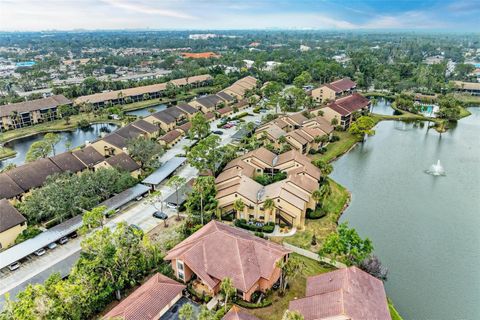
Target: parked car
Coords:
[[14, 266], [73, 235], [40, 252], [219, 132], [160, 215], [139, 198], [63, 240], [134, 226], [52, 245], [227, 126], [171, 205]]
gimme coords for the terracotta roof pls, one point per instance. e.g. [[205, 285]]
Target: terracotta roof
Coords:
[[170, 136], [349, 104], [263, 155], [297, 118], [227, 109], [33, 174], [8, 188], [68, 162], [9, 216], [115, 140], [32, 105], [148, 300], [123, 161], [342, 85], [272, 130], [145, 126], [164, 117], [250, 258], [185, 127], [209, 115], [235, 313], [321, 123], [239, 87], [199, 55], [89, 156], [349, 293], [187, 108]]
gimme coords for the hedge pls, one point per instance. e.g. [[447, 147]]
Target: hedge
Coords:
[[317, 214], [267, 227], [250, 305]]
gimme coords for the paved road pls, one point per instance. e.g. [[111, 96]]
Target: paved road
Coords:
[[37, 269]]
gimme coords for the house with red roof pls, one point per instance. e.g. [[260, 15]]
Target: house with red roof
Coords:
[[334, 90], [218, 251], [348, 293], [235, 313], [342, 109], [150, 301]]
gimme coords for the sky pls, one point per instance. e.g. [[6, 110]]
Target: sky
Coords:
[[36, 15]]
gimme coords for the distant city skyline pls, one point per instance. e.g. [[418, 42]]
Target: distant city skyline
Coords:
[[36, 15]]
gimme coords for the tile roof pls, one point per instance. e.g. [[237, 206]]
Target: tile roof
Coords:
[[148, 300], [342, 85], [350, 293], [175, 112], [235, 313], [250, 258], [225, 96], [185, 127], [33, 174], [209, 115], [164, 116], [297, 118], [145, 126], [9, 216], [66, 161], [170, 136], [185, 107], [130, 132], [8, 188], [321, 123], [115, 140], [32, 105], [89, 156], [273, 131], [199, 55], [225, 110], [349, 104], [209, 101], [123, 161]]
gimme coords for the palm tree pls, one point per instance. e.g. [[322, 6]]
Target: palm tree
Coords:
[[201, 185], [317, 196], [186, 312], [176, 182], [227, 289], [238, 205], [269, 205], [292, 315], [290, 270]]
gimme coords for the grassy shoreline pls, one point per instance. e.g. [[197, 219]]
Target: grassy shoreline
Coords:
[[6, 153]]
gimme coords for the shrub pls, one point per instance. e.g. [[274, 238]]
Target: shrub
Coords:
[[260, 235], [250, 305], [83, 123], [241, 115], [317, 214], [312, 151], [29, 233], [334, 138], [322, 150], [266, 228]]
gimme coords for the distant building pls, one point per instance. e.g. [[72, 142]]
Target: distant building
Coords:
[[472, 88], [27, 113], [342, 109], [202, 36], [199, 55], [333, 90]]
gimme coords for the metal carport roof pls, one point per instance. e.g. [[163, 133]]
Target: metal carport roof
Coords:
[[164, 171], [124, 197]]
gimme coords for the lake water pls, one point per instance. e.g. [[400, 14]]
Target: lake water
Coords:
[[425, 229], [76, 138], [146, 111], [383, 107]]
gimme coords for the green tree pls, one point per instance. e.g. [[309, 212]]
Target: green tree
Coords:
[[52, 139], [221, 81], [204, 314], [202, 186], [200, 127], [38, 149], [272, 88], [269, 204], [292, 315], [239, 206], [450, 108], [206, 154], [93, 219], [186, 312], [227, 289], [145, 151], [303, 79], [325, 167], [290, 270], [346, 246], [177, 182], [363, 126]]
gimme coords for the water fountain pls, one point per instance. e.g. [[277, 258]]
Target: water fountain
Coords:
[[436, 169]]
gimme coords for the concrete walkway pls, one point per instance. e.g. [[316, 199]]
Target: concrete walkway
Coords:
[[276, 232], [313, 255], [213, 303]]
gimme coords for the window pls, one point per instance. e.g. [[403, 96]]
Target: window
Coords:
[[179, 265], [181, 275]]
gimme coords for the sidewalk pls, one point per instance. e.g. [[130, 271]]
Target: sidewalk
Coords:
[[313, 255]]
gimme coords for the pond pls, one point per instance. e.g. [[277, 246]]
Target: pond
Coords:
[[76, 138], [383, 106], [425, 228], [146, 111]]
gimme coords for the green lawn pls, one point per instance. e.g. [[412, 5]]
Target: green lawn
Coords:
[[322, 227], [56, 125], [336, 149], [296, 290], [6, 153], [468, 99], [393, 312]]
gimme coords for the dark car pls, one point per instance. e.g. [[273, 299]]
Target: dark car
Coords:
[[160, 215], [218, 132]]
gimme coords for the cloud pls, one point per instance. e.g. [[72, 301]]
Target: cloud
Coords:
[[141, 8]]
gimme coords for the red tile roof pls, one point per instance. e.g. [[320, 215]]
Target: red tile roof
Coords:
[[199, 55], [235, 313], [349, 104], [341, 85], [148, 300], [170, 136], [349, 293], [217, 251]]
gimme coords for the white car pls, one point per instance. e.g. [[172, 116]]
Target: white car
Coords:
[[40, 252], [14, 266], [171, 205], [63, 240]]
